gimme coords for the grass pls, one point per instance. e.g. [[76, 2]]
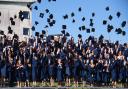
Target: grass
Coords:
[[87, 86]]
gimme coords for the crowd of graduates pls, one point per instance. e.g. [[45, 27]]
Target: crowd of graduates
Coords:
[[62, 60]]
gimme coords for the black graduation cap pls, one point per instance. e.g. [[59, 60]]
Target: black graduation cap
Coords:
[[53, 21], [36, 8], [46, 26], [63, 31], [88, 30], [93, 14], [79, 9], [15, 16], [67, 34], [41, 15], [91, 20], [64, 27], [118, 30], [83, 27], [107, 8], [12, 22], [28, 5], [104, 22], [33, 28], [83, 19], [39, 1], [73, 21], [10, 31], [15, 36], [41, 36], [79, 35], [50, 24], [2, 32], [109, 28], [11, 18], [72, 14], [48, 20], [36, 23], [101, 37], [36, 33], [65, 17], [47, 11], [91, 24], [80, 28], [53, 0], [123, 33], [110, 17], [49, 0], [123, 24], [118, 14], [93, 29], [9, 28], [43, 32], [51, 16]]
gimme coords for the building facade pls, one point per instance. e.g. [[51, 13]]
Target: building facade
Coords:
[[16, 18]]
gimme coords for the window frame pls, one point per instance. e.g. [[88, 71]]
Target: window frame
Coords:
[[28, 31]]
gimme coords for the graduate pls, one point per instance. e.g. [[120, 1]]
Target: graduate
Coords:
[[59, 72], [19, 67], [106, 73], [44, 67], [2, 71], [99, 71], [67, 72], [122, 71], [76, 69], [51, 69], [34, 69], [10, 71], [27, 69], [91, 72], [114, 71], [84, 71]]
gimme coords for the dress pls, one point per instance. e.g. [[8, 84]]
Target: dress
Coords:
[[59, 73], [34, 69], [114, 70]]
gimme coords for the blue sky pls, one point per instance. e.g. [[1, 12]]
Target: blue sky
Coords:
[[62, 7]]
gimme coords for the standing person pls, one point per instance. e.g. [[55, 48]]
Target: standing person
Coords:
[[99, 72], [44, 65], [10, 71], [76, 70], [59, 72], [27, 66], [34, 69], [19, 67], [106, 73], [2, 72], [91, 71], [51, 69], [114, 72], [67, 72], [122, 71], [84, 72]]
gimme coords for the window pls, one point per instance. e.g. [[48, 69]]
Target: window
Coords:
[[25, 31], [26, 14]]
